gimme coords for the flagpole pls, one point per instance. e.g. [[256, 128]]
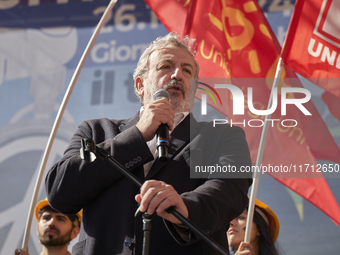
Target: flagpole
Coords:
[[257, 173], [58, 120]]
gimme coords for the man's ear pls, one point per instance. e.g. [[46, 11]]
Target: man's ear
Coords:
[[75, 232], [139, 86]]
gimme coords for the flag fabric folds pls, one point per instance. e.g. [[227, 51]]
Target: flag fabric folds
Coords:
[[235, 42], [312, 45], [333, 104]]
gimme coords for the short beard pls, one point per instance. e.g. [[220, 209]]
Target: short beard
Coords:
[[177, 83], [61, 240], [178, 106]]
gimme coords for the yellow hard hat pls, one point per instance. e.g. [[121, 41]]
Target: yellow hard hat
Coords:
[[274, 224], [43, 203]]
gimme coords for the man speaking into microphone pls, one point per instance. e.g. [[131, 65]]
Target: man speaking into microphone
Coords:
[[109, 199]]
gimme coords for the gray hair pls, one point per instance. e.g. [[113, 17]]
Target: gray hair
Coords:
[[171, 39]]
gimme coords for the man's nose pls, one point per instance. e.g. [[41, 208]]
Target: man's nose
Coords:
[[177, 73], [52, 221]]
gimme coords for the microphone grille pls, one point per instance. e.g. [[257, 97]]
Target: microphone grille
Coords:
[[160, 94]]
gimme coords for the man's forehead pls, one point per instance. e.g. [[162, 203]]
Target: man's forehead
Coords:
[[53, 213], [172, 53]]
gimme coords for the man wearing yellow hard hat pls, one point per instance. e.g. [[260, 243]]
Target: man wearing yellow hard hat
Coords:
[[55, 230], [264, 232]]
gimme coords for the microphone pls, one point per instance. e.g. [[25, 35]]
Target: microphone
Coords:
[[162, 133]]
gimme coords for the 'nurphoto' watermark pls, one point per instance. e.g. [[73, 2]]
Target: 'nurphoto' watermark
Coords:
[[250, 104]]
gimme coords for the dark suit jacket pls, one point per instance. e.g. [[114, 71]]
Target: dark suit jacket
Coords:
[[107, 197]]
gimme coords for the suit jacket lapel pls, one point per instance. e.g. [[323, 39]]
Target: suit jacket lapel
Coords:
[[178, 139]]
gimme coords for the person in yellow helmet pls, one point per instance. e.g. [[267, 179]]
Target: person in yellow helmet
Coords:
[[55, 230], [264, 232]]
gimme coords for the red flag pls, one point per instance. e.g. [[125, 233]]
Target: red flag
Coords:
[[312, 45], [333, 104], [235, 41]]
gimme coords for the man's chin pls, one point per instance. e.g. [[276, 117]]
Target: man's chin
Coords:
[[54, 240], [178, 104], [181, 108]]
